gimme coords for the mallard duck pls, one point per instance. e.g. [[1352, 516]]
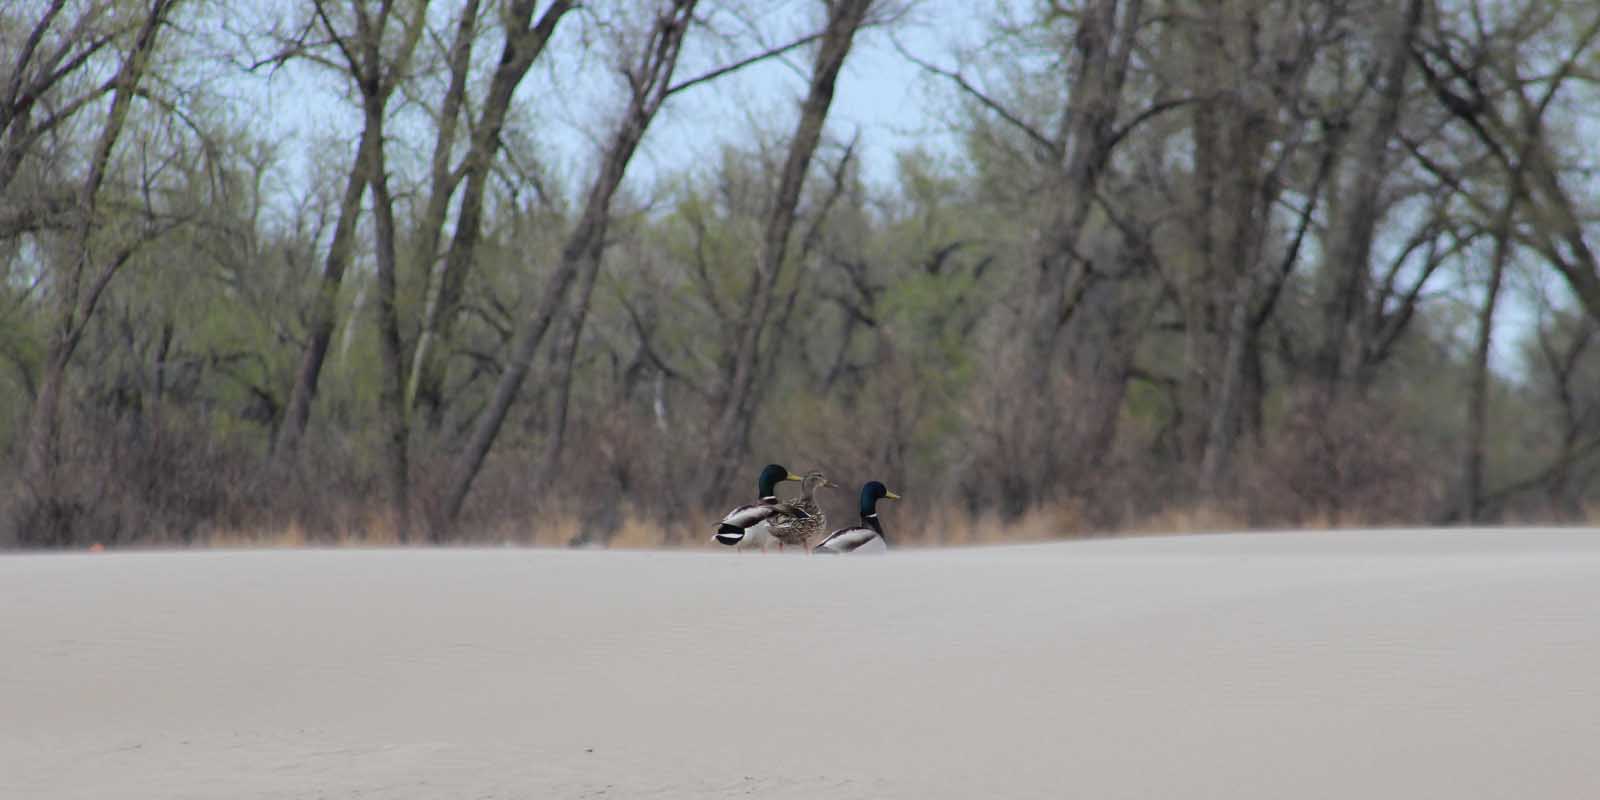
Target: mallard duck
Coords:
[[733, 527], [799, 530], [867, 537]]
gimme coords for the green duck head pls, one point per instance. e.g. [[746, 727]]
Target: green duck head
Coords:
[[771, 476]]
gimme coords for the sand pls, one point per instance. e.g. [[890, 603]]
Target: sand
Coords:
[[1329, 665]]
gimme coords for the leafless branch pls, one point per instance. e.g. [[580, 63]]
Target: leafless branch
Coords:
[[1053, 148], [770, 52]]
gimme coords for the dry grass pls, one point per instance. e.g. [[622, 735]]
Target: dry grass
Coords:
[[291, 535], [916, 528], [1591, 514], [955, 528], [541, 531], [1188, 519], [380, 531], [943, 528], [639, 534], [553, 530]]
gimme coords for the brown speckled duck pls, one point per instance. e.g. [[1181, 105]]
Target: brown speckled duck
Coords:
[[797, 531]]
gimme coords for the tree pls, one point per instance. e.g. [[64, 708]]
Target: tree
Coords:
[[91, 263], [648, 74], [1348, 270], [1516, 140], [376, 75], [525, 40], [736, 403]]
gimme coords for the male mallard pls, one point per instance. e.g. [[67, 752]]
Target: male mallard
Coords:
[[732, 530], [799, 530], [868, 536]]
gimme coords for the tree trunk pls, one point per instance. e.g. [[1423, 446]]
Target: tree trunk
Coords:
[[1227, 291], [550, 460], [1101, 362], [1102, 50], [325, 305], [1475, 446], [1472, 486], [1229, 408], [1200, 323], [391, 402], [1339, 354], [443, 178]]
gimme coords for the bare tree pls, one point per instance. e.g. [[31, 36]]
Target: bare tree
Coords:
[[1565, 351], [323, 314], [1243, 74], [376, 75], [525, 39], [1519, 147], [41, 89], [1459, 83], [89, 269], [736, 404], [1349, 244], [648, 74]]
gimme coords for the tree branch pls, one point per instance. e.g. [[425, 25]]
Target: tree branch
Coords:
[[770, 52], [1049, 145]]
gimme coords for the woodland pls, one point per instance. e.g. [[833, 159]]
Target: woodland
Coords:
[[1169, 265]]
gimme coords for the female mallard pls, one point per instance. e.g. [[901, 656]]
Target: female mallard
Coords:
[[868, 536], [733, 527], [799, 530]]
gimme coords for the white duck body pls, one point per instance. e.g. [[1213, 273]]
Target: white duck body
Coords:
[[756, 537], [740, 523], [868, 537], [855, 539]]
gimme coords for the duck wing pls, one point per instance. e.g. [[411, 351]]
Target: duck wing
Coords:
[[791, 510], [746, 516], [757, 513]]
